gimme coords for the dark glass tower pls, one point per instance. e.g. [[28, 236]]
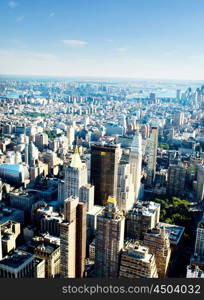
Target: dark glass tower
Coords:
[[104, 170]]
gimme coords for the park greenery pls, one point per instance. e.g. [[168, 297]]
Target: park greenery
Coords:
[[164, 146], [176, 211], [52, 134]]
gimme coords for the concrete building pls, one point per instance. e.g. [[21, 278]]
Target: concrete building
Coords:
[[92, 222], [81, 228], [75, 176], [23, 200], [70, 136], [86, 195], [48, 220], [73, 239], [68, 239], [200, 183], [176, 180], [178, 119], [1, 254], [109, 240], [31, 154], [41, 140], [10, 231], [137, 262], [199, 244], [21, 264], [143, 216], [136, 163], [48, 249], [194, 272], [125, 187], [11, 214], [153, 144], [158, 242]]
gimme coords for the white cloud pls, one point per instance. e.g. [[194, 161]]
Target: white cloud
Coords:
[[19, 19], [52, 14], [12, 4], [74, 43]]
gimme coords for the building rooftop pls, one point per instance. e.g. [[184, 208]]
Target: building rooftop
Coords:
[[175, 232], [16, 259]]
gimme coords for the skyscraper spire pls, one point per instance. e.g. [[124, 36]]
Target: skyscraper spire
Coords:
[[76, 160]]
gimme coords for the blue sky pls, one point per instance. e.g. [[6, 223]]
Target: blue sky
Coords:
[[111, 38]]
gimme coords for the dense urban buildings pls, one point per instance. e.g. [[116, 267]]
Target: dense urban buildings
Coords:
[[109, 240], [101, 179]]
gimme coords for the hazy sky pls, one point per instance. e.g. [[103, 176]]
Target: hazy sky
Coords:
[[123, 38]]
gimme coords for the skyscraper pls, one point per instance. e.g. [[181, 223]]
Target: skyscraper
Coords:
[[178, 119], [200, 183], [75, 176], [68, 239], [81, 229], [199, 244], [158, 242], [153, 143], [125, 191], [176, 180], [109, 240], [70, 136], [178, 95], [0, 245], [141, 218], [31, 154], [86, 195], [104, 171], [73, 239], [136, 163]]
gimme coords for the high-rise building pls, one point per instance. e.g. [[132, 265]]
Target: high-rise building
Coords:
[[125, 190], [151, 168], [199, 244], [81, 229], [31, 154], [73, 238], [0, 244], [86, 195], [137, 262], [152, 97], [104, 171], [176, 180], [178, 95], [75, 176], [141, 218], [178, 119], [70, 136], [68, 239], [200, 183], [109, 240], [158, 242], [136, 163]]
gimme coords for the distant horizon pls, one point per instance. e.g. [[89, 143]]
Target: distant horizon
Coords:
[[120, 78]]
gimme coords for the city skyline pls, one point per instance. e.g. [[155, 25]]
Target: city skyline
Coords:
[[124, 39]]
